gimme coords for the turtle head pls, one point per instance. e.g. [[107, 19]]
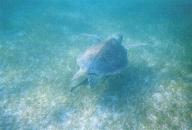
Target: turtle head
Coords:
[[118, 37]]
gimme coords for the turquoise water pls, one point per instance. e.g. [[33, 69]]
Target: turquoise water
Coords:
[[41, 39]]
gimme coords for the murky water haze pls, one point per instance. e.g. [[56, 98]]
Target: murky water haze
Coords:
[[39, 44]]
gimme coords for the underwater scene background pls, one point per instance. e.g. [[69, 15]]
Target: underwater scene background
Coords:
[[41, 39]]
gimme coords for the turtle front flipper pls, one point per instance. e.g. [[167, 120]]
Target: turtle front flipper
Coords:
[[93, 37]]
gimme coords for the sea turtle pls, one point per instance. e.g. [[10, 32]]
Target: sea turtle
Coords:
[[105, 58]]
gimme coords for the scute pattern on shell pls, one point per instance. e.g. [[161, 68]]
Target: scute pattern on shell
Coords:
[[104, 58]]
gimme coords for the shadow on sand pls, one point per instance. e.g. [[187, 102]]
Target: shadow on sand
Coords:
[[128, 88]]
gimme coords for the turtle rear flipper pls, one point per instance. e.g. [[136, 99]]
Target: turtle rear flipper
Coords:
[[75, 86], [93, 80], [78, 79]]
